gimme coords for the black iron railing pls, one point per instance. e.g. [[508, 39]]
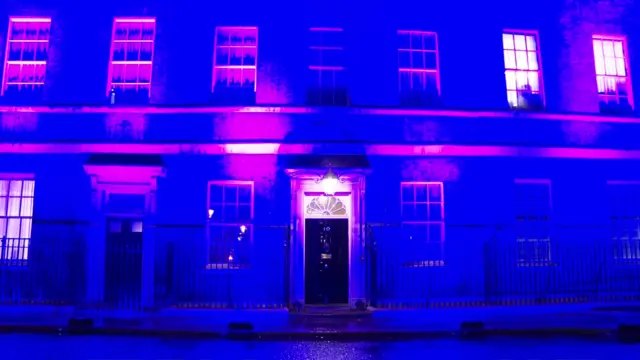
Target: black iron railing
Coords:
[[486, 265]]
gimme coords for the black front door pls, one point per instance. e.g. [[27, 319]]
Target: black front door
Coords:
[[326, 261], [123, 277]]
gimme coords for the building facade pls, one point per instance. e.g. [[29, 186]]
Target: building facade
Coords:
[[398, 154]]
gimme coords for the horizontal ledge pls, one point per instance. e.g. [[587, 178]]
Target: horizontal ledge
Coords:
[[328, 149], [312, 110]]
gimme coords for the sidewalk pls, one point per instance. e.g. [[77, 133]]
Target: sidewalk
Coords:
[[568, 320]]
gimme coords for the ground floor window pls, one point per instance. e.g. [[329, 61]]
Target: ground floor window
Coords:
[[229, 228], [625, 220], [422, 207], [16, 214], [533, 221]]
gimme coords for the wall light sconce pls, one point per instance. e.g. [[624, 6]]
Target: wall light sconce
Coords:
[[329, 182]]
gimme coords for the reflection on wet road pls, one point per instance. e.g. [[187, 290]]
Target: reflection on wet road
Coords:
[[46, 347]]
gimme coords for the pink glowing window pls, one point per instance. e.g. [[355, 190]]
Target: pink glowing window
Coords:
[[533, 221], [625, 220], [422, 206], [327, 66], [26, 56], [230, 213], [236, 58], [16, 213], [418, 67], [523, 70], [131, 64], [612, 73]]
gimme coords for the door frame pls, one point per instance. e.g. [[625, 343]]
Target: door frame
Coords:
[[107, 180], [306, 183]]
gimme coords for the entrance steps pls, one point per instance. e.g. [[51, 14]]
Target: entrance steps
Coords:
[[332, 311]]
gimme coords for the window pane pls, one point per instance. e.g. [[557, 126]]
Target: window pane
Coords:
[[620, 67], [610, 66], [522, 80], [521, 60], [14, 206], [509, 59], [25, 229], [431, 60], [435, 212], [27, 207], [421, 192], [407, 193], [607, 47], [520, 42], [533, 81], [511, 80], [404, 59], [617, 49], [417, 60], [15, 188], [429, 41], [435, 192], [13, 228], [28, 188], [4, 187], [533, 61], [531, 43], [599, 60], [507, 41]]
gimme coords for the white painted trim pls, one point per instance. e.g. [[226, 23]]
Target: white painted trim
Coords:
[[303, 184], [405, 150]]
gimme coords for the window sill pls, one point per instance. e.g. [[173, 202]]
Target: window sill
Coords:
[[231, 267], [423, 264], [627, 262], [536, 264], [13, 264]]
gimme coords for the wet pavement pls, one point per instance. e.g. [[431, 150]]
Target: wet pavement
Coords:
[[65, 347]]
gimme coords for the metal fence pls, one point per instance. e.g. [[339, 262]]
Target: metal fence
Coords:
[[185, 278], [485, 266], [479, 266]]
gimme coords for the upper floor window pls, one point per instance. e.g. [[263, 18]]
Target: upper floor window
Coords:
[[16, 213], [625, 220], [235, 64], [418, 67], [533, 221], [523, 71], [230, 205], [327, 67], [131, 61], [25, 64], [423, 223], [612, 74]]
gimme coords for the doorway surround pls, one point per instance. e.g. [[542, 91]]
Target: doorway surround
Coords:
[[109, 184], [306, 184]]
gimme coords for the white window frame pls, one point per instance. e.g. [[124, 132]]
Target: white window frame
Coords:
[[42, 63], [630, 247], [425, 222], [513, 70], [22, 256], [228, 66], [602, 73], [418, 69], [211, 223], [539, 244], [319, 68], [126, 63]]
